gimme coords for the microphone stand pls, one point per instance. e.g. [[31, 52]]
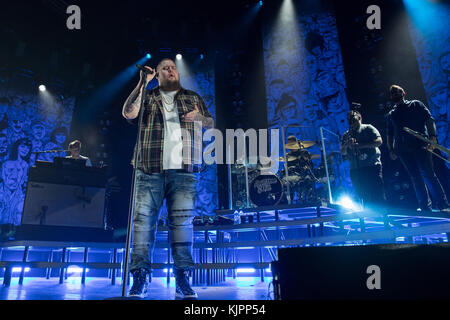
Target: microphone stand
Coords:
[[132, 196]]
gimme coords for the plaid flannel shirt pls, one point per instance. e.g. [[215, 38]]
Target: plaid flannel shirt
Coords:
[[151, 132]]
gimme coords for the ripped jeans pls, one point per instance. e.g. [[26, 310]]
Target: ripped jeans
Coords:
[[179, 189]]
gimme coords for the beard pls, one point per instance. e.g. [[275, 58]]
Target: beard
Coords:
[[169, 85]]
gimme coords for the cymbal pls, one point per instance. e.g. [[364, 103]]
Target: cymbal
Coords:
[[304, 144], [307, 144], [315, 156], [289, 158]]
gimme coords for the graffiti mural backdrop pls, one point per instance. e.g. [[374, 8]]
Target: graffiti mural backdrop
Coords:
[[305, 80], [27, 124], [202, 82], [432, 45]]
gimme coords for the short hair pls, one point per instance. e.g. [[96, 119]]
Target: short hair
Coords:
[[160, 62], [396, 86], [75, 144]]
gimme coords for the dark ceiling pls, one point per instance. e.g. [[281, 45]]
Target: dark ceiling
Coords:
[[35, 37]]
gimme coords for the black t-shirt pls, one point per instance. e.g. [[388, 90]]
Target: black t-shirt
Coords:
[[413, 115]]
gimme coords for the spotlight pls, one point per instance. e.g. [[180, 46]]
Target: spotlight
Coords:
[[42, 88], [201, 56], [347, 203], [179, 56], [149, 56], [260, 3]]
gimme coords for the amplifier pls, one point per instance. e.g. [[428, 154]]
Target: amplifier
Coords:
[[394, 271], [64, 205]]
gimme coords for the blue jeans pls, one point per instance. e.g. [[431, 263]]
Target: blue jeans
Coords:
[[179, 189]]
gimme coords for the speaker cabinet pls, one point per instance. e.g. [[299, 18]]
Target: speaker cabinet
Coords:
[[395, 271], [64, 205]]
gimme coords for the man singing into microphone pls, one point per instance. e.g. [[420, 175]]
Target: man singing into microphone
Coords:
[[413, 152], [165, 168]]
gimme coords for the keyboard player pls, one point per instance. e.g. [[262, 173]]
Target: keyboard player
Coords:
[[75, 148]]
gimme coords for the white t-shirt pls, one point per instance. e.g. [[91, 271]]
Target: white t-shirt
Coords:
[[173, 144]]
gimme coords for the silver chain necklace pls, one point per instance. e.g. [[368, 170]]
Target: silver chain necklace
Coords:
[[167, 102]]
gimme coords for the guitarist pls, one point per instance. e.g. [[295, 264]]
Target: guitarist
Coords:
[[359, 145], [412, 152]]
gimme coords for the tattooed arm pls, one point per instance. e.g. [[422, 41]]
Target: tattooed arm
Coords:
[[132, 105]]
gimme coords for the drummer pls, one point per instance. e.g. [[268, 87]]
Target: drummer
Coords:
[[298, 151]]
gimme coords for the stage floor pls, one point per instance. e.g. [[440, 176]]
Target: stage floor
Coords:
[[241, 288]]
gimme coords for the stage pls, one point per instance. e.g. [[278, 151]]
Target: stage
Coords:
[[100, 288], [242, 148]]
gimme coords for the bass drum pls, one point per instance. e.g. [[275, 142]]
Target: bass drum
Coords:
[[265, 190]]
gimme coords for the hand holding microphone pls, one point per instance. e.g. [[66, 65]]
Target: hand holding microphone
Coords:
[[146, 72]]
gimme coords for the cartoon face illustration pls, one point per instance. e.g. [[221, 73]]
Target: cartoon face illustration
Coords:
[[24, 149], [311, 109], [276, 89], [326, 85], [12, 173], [17, 125], [38, 131], [336, 103], [60, 138], [287, 108]]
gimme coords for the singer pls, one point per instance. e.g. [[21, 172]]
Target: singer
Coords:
[[412, 152], [164, 171]]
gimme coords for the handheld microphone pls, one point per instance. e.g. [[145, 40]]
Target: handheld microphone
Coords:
[[145, 70]]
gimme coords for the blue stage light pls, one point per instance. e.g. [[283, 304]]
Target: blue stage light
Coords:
[[347, 203], [260, 3], [19, 269], [245, 270], [201, 56], [75, 269], [149, 56]]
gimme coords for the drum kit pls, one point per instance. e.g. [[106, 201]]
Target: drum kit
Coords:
[[266, 187]]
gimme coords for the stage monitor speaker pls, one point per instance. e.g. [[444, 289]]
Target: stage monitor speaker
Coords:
[[64, 205], [393, 271]]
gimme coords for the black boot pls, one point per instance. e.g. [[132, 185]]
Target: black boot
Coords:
[[183, 289], [139, 288]]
